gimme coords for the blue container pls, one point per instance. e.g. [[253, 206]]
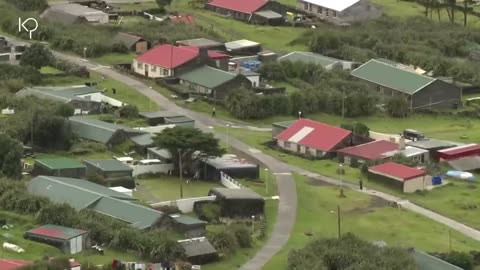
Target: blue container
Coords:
[[436, 180]]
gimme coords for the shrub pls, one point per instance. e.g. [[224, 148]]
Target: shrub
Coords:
[[168, 209], [223, 241], [243, 235], [210, 212], [460, 259], [122, 182], [128, 111], [119, 48]]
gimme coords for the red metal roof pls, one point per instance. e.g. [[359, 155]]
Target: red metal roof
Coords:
[[6, 264], [168, 56], [188, 19], [322, 136], [459, 152], [370, 151], [397, 170], [57, 232], [245, 6]]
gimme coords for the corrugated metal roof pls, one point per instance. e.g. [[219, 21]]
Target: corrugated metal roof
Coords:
[[200, 43], [397, 170], [127, 39], [269, 14], [164, 153], [207, 76], [370, 151], [108, 165], [240, 44], [236, 194], [143, 139], [388, 75], [197, 247], [159, 114], [63, 94], [96, 130], [187, 220], [60, 163], [308, 57], [58, 232], [245, 6], [337, 5], [428, 262]]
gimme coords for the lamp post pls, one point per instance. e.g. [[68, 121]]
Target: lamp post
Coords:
[[299, 114], [181, 172], [266, 181], [338, 221], [227, 126], [253, 225], [341, 172], [84, 52], [343, 103]]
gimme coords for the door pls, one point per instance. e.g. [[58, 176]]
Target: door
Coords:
[[146, 70], [79, 243]]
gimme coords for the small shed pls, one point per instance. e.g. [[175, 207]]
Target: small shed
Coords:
[[190, 226], [269, 17], [134, 43], [432, 145], [231, 165], [109, 169], [61, 167], [180, 121], [70, 241], [203, 43], [462, 151], [279, 127], [160, 154], [407, 178], [238, 202], [243, 47], [158, 117], [199, 250], [466, 164]]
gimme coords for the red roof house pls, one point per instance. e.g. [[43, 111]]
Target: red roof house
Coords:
[[241, 6], [162, 60], [69, 240], [411, 179], [7, 264], [367, 152], [306, 136], [459, 152], [187, 19]]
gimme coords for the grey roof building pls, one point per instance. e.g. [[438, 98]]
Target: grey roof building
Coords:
[[279, 127], [326, 62], [108, 169], [100, 131], [82, 194], [132, 42], [202, 43], [421, 92], [243, 47], [160, 154], [189, 226], [231, 165], [198, 250], [62, 17], [167, 117], [79, 96], [238, 202], [91, 15]]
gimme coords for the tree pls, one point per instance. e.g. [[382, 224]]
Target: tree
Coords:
[[183, 142], [223, 241], [402, 159], [397, 107], [128, 111], [460, 259], [36, 56], [58, 214], [163, 3], [29, 5], [11, 152], [348, 253]]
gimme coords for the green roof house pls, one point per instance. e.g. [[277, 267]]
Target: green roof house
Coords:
[[62, 167], [109, 169], [312, 58], [428, 262], [82, 194], [68, 240], [211, 82], [422, 92], [279, 127], [189, 226], [100, 131], [85, 99]]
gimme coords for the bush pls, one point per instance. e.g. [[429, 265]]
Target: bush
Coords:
[[223, 241], [128, 111], [122, 182], [168, 209], [460, 259], [210, 212], [119, 48], [13, 85], [243, 235]]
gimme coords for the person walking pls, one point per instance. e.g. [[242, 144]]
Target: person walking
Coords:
[[214, 113]]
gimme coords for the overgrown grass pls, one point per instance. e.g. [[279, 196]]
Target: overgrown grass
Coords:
[[115, 58], [368, 218]]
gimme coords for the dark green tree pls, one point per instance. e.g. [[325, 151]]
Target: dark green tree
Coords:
[[36, 56], [11, 152], [163, 3], [184, 142], [460, 259], [398, 107]]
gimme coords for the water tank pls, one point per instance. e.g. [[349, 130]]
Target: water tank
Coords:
[[436, 180]]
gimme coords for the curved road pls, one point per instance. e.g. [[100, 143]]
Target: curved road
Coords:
[[285, 181]]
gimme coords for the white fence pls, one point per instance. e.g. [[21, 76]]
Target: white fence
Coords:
[[229, 182], [185, 205], [154, 168]]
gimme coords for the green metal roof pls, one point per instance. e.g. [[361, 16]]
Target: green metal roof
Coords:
[[108, 165], [428, 262], [58, 232], [164, 153], [285, 124], [390, 76], [143, 139], [187, 220], [207, 76], [159, 114], [64, 93], [76, 192], [179, 119], [60, 163], [96, 130], [308, 57], [82, 194]]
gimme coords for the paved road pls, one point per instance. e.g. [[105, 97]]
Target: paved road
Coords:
[[285, 181]]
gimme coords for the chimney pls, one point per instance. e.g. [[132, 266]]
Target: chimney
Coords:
[[401, 143], [203, 55]]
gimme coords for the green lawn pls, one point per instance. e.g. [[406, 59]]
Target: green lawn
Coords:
[[50, 70], [365, 216], [115, 58], [36, 251], [273, 38]]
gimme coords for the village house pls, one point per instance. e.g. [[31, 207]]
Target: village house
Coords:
[[70, 13], [68, 240], [255, 11], [165, 60], [133, 43], [406, 178], [11, 50], [421, 92], [314, 139], [62, 167], [370, 153], [340, 12], [108, 169], [326, 62], [203, 43], [212, 83]]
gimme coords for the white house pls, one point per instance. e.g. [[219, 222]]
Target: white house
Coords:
[[340, 11]]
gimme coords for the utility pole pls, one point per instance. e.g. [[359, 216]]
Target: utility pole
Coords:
[[266, 181], [181, 172], [338, 221], [343, 104], [31, 129], [450, 239]]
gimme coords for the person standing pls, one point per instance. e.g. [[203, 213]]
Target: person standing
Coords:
[[214, 113]]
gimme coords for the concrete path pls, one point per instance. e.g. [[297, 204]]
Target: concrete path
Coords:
[[285, 181], [282, 171]]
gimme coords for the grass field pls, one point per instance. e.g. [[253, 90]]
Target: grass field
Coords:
[[115, 58], [36, 251], [365, 216]]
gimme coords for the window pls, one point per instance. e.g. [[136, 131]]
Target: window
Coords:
[[326, 12], [347, 160], [305, 6], [154, 69], [334, 13], [139, 65], [165, 72], [320, 153], [286, 144], [319, 10]]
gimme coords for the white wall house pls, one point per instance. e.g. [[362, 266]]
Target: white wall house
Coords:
[[340, 11], [151, 71]]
